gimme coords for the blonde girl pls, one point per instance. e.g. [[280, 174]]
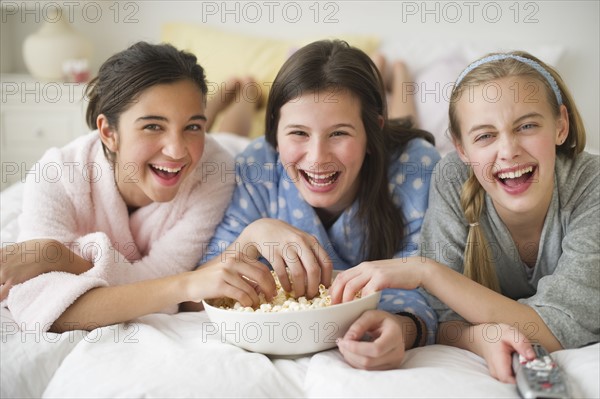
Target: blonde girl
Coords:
[[511, 233]]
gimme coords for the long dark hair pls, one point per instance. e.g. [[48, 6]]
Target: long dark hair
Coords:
[[336, 65], [125, 75]]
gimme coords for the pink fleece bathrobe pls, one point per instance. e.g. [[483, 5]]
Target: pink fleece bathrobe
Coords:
[[71, 196]]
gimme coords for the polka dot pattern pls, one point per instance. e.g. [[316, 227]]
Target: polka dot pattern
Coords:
[[272, 194]]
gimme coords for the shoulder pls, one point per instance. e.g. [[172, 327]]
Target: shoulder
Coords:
[[416, 160], [214, 151], [214, 170], [418, 151], [578, 178], [80, 149], [258, 163], [451, 172], [75, 165], [258, 151], [447, 182]]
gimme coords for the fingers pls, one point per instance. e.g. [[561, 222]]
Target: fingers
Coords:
[[352, 281], [502, 367], [385, 351], [499, 354], [4, 290], [308, 265], [325, 264], [235, 279], [523, 347], [313, 269], [296, 268], [307, 261], [259, 277]]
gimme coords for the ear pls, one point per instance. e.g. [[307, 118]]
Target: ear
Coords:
[[380, 121], [562, 125], [108, 134], [460, 150]]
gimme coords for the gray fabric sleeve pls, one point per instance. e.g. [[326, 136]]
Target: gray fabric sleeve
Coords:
[[444, 230], [568, 299]]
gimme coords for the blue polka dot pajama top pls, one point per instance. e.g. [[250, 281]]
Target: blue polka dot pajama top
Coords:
[[264, 190]]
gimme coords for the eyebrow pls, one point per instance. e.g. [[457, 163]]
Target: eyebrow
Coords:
[[517, 121], [527, 116], [162, 118], [337, 126]]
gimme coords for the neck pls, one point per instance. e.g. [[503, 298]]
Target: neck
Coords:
[[526, 226], [327, 218]]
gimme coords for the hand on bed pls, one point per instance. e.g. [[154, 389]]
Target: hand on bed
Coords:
[[288, 248], [372, 276], [20, 262], [16, 267], [374, 341]]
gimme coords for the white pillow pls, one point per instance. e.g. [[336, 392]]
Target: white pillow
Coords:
[[436, 65]]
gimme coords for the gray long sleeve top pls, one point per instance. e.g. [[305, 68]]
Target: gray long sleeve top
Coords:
[[564, 287]]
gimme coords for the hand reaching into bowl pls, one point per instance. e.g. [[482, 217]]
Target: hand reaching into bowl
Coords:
[[287, 248]]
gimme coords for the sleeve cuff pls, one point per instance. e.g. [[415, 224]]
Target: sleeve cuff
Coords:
[[37, 303], [395, 301]]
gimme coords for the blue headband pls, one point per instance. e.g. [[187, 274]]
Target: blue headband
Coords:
[[531, 63]]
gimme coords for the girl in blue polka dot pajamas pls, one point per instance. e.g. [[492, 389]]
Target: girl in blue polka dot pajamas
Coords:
[[332, 184]]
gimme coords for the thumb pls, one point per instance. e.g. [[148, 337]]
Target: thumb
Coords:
[[368, 321], [523, 347]]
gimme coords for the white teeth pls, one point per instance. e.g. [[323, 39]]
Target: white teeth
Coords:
[[516, 173], [313, 177], [165, 169], [318, 176]]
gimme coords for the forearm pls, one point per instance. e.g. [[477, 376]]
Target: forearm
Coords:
[[478, 304], [110, 305], [54, 256]]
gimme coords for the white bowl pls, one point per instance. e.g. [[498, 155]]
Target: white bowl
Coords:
[[289, 333]]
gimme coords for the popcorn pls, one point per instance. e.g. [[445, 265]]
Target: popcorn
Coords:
[[282, 301]]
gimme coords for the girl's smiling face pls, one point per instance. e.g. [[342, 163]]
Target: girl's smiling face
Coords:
[[509, 136], [322, 144], [157, 143]]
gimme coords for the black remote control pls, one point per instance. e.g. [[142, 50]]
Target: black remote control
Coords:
[[541, 377]]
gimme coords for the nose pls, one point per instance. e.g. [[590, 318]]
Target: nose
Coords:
[[510, 147], [174, 146], [318, 152]]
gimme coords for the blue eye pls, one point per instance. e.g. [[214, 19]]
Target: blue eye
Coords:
[[482, 137], [528, 126]]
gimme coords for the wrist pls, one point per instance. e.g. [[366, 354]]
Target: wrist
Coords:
[[428, 271], [413, 335], [184, 284], [51, 256]]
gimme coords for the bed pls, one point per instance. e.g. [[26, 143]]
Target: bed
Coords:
[[180, 355]]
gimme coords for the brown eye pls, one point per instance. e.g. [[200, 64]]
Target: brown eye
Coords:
[[152, 126]]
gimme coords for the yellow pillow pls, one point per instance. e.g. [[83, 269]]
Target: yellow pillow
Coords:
[[224, 55]]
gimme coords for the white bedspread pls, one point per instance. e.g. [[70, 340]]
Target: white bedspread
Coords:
[[181, 356]]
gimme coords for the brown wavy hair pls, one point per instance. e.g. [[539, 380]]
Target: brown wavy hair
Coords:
[[333, 64]]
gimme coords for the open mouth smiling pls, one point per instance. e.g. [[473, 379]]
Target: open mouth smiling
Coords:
[[319, 179], [514, 177], [166, 172]]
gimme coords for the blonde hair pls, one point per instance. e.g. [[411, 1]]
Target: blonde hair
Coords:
[[478, 261]]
